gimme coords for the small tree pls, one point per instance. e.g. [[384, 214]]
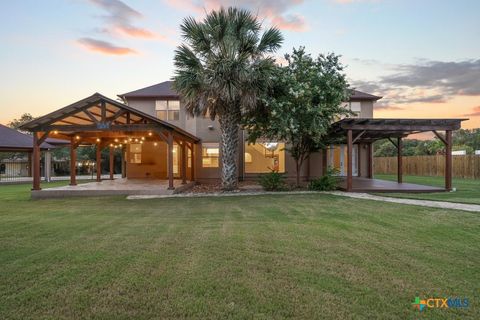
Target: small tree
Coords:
[[306, 98], [17, 123]]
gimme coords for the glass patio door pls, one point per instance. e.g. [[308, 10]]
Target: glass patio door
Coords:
[[337, 158]]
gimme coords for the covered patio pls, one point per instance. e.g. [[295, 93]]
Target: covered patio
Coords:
[[352, 131], [106, 123]]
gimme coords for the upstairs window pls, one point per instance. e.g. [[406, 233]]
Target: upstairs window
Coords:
[[356, 107], [168, 110]]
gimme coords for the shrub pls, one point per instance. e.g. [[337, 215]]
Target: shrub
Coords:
[[273, 181], [328, 182]]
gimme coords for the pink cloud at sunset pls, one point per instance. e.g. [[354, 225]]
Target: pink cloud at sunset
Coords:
[[276, 12], [104, 47]]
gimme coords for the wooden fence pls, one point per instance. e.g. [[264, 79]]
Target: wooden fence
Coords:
[[463, 166]]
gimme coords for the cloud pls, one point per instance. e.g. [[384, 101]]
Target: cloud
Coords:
[[475, 112], [382, 106], [426, 82], [104, 47], [354, 1], [275, 11], [119, 19]]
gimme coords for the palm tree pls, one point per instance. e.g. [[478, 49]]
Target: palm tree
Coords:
[[222, 68]]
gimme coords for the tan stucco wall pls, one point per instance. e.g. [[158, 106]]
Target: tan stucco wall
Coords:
[[209, 131]]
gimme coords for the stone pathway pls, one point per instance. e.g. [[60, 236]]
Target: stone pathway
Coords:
[[364, 196], [423, 203]]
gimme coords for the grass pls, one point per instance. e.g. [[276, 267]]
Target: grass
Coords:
[[264, 257], [468, 190]]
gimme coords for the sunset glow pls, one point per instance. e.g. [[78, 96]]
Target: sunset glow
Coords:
[[423, 57]]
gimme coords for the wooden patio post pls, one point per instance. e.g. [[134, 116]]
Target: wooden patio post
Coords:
[[36, 162], [399, 160], [111, 162], [184, 162], [170, 161], [30, 164], [349, 160], [192, 159], [370, 160], [98, 153], [448, 160], [359, 160], [73, 162], [324, 162]]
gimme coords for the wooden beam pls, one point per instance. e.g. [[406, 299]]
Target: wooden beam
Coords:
[[111, 162], [440, 137], [370, 160], [36, 162], [91, 116], [399, 160], [349, 161], [359, 135], [400, 128], [393, 142], [117, 114], [192, 168], [98, 156], [43, 137], [73, 162], [103, 109], [170, 162], [184, 162], [448, 160]]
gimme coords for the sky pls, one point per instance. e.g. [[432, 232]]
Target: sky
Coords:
[[422, 56]]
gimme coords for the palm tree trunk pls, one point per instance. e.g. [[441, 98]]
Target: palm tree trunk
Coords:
[[229, 150]]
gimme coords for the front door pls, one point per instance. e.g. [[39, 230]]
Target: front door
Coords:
[[337, 158]]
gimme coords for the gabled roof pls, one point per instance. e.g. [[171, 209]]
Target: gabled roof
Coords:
[[162, 89], [11, 139], [362, 96], [87, 112]]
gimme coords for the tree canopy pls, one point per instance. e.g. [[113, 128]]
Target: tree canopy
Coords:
[[306, 98]]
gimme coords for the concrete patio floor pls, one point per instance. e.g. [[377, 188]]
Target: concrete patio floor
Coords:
[[114, 187]]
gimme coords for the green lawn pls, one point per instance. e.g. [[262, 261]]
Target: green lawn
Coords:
[[468, 190], [264, 257]]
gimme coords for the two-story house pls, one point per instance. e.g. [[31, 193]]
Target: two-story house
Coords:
[[162, 102]]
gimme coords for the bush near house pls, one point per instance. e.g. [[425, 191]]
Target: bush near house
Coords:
[[328, 182], [273, 181]]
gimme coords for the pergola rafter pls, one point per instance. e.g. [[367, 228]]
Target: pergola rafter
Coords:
[[101, 121]]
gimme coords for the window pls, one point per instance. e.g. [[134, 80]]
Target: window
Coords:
[[135, 153], [210, 155], [356, 107], [175, 159], [168, 110], [264, 157]]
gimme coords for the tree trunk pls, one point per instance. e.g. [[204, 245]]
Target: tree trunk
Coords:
[[297, 163], [229, 150]]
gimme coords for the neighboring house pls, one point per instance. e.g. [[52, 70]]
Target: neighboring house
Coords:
[[164, 103]]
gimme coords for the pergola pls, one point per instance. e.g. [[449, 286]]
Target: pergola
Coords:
[[98, 120], [366, 131]]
